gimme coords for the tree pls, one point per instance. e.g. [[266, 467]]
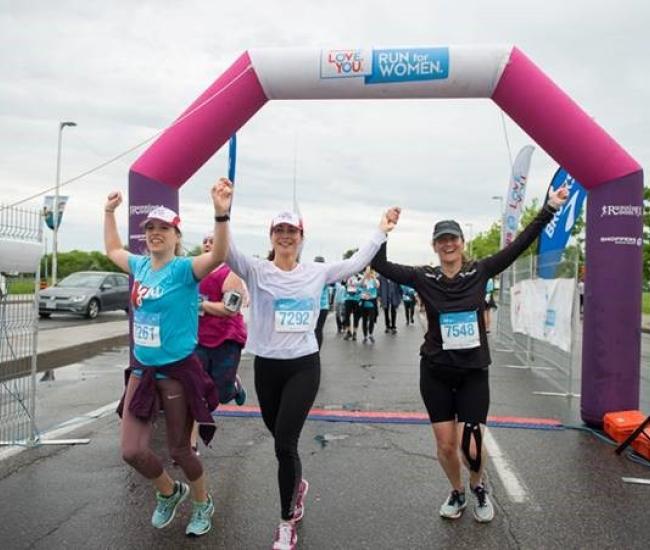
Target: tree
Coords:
[[487, 243]]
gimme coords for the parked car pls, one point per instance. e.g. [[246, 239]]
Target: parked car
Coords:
[[86, 293]]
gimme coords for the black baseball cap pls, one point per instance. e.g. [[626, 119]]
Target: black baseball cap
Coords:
[[447, 227]]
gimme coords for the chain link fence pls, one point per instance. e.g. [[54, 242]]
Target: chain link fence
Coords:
[[559, 367], [21, 238]]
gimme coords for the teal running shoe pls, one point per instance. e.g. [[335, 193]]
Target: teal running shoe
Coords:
[[201, 520], [483, 509], [166, 506], [453, 507]]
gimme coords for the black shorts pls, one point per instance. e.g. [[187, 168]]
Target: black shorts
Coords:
[[454, 393]]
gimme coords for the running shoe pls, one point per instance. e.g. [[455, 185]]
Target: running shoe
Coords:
[[354, 336], [201, 520], [166, 506], [372, 338], [240, 395], [299, 509], [348, 336], [483, 509], [454, 505], [286, 537]]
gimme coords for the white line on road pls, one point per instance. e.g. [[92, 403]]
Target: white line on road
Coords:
[[515, 488], [65, 427]]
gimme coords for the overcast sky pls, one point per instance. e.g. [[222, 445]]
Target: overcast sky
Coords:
[[124, 70]]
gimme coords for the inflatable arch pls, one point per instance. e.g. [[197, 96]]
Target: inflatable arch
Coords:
[[612, 335]]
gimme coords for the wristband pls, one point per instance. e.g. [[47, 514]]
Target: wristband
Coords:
[[223, 218]]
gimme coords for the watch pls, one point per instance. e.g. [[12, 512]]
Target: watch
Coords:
[[224, 218]]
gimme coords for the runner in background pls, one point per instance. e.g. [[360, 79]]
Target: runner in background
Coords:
[[390, 296], [490, 304], [369, 291], [339, 306], [408, 297], [352, 306]]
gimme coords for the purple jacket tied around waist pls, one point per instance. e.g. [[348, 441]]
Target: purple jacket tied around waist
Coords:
[[202, 394]]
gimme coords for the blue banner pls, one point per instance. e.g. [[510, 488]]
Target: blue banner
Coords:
[[556, 234], [232, 157], [408, 65]]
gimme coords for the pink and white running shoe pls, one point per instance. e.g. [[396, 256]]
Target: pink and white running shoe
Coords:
[[299, 510], [286, 537]]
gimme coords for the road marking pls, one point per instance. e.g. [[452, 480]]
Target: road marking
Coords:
[[515, 488], [523, 367], [65, 427]]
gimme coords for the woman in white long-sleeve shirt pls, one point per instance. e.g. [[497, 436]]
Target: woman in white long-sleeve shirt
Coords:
[[285, 303]]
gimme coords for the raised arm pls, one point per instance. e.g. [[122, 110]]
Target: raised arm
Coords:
[[496, 263], [362, 257], [402, 274], [221, 199], [112, 242]]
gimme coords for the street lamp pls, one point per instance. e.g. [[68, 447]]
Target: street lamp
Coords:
[[471, 236], [56, 201], [500, 199]]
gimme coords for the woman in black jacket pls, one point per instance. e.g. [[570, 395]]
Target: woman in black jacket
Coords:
[[455, 354]]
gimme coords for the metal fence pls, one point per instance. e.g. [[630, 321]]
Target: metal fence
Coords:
[[19, 228], [558, 367]]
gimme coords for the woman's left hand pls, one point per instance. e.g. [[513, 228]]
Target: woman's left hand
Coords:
[[557, 197], [222, 196]]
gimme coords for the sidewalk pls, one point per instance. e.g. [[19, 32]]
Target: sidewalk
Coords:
[[64, 346]]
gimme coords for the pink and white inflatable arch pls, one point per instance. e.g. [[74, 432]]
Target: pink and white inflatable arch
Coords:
[[611, 339]]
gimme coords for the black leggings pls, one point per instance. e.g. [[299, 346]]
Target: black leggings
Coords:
[[318, 331], [352, 309], [286, 390], [369, 316], [409, 310], [390, 323]]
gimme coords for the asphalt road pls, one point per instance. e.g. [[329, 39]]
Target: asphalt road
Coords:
[[373, 486]]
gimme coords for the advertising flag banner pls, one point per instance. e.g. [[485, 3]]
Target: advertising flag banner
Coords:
[[232, 157], [48, 210], [516, 195], [556, 234]]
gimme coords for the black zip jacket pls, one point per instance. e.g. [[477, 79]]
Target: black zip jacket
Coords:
[[465, 292]]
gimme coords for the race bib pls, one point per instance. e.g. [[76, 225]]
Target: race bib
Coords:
[[146, 329], [293, 314], [459, 330]]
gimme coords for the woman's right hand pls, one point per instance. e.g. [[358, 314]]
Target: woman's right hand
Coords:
[[389, 219], [113, 201]]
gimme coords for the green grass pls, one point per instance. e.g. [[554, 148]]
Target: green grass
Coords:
[[646, 303], [20, 286]]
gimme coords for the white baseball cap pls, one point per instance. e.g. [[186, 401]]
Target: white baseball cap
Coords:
[[163, 214], [290, 218]]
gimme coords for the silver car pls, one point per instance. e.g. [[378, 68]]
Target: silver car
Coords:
[[86, 293]]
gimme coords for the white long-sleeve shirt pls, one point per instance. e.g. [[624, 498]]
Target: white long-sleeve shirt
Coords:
[[285, 304]]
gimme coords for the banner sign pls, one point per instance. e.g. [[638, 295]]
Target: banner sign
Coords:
[[541, 308], [48, 210], [556, 234], [407, 65], [516, 195]]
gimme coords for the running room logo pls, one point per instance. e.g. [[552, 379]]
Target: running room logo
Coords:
[[632, 241], [138, 209], [345, 63], [621, 210], [409, 65], [140, 292]]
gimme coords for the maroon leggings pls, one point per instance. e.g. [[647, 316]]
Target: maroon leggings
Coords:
[[136, 433]]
